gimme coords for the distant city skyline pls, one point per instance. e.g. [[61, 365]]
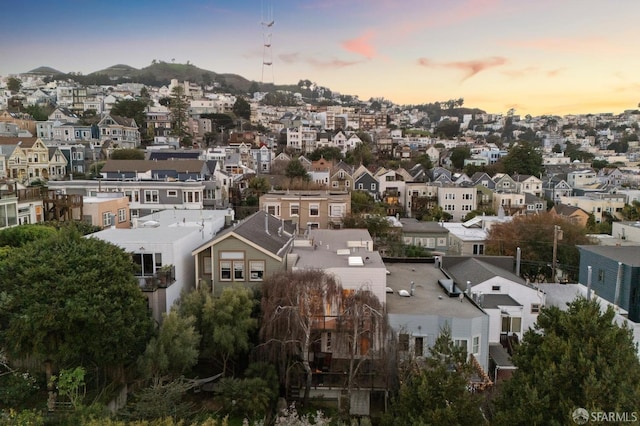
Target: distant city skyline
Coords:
[[542, 57]]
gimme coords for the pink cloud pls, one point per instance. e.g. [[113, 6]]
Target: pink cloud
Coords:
[[361, 45], [470, 68]]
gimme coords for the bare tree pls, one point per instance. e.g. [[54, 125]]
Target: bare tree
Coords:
[[293, 306], [363, 330]]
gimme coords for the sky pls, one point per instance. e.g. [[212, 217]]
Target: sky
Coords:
[[535, 56]]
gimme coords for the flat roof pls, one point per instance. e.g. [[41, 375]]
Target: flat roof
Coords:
[[335, 248], [629, 255], [500, 355], [429, 298], [165, 226]]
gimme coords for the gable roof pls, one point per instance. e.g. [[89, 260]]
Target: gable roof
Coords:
[[262, 230], [477, 271], [23, 142]]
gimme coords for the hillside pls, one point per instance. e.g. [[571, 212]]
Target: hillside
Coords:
[[165, 72], [44, 71]]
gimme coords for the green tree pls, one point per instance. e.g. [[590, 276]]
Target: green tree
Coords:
[[458, 155], [73, 300], [437, 393], [523, 158], [578, 357], [329, 153], [233, 323], [295, 170], [14, 84], [173, 352], [377, 225], [360, 154], [242, 108], [178, 106], [131, 108], [70, 383], [127, 154], [629, 211], [38, 112], [18, 236], [447, 129]]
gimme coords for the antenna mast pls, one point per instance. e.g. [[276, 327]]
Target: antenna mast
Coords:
[[267, 33]]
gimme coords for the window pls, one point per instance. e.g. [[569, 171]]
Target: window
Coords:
[[134, 196], [122, 215], [373, 186], [147, 263], [419, 346], [273, 209], [134, 213], [475, 346], [172, 193], [535, 308], [238, 270], [360, 186], [314, 210], [511, 324], [328, 344], [478, 249], [495, 288], [461, 343], [403, 342], [336, 210], [256, 270], [601, 275], [334, 184], [106, 219], [294, 210], [151, 196], [225, 270], [191, 197]]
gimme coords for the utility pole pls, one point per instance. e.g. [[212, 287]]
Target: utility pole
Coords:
[[557, 235]]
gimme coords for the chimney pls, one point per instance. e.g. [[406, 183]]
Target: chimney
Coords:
[[518, 254], [589, 282], [616, 298]]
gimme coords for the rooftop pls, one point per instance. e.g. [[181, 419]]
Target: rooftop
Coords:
[[629, 255], [429, 298], [166, 226], [334, 248]]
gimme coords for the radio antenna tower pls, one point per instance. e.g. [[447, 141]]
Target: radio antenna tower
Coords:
[[267, 33]]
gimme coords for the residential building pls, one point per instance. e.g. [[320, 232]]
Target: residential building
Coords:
[[469, 238], [458, 201], [571, 213], [122, 131], [308, 209], [430, 235], [106, 209], [244, 254], [145, 196], [419, 307], [614, 274], [511, 302], [598, 204], [581, 178], [345, 253], [160, 245]]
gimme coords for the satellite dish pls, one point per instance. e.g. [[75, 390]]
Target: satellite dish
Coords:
[[404, 293], [389, 290]]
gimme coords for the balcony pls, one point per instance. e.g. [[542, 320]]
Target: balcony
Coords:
[[163, 278]]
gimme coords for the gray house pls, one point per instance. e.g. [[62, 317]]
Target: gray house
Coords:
[[430, 235], [419, 307]]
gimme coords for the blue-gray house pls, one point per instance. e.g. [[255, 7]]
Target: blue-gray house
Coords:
[[615, 275]]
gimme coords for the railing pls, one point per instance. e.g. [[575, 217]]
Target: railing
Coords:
[[161, 279]]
